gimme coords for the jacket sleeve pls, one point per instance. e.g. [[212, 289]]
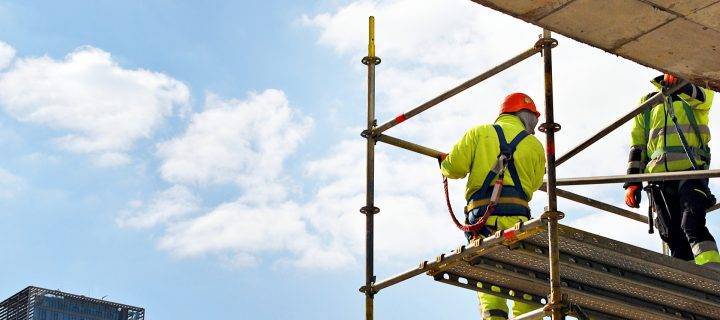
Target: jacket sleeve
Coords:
[[458, 162], [638, 157], [702, 100]]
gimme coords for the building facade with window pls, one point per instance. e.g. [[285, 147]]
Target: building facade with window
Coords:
[[33, 303]]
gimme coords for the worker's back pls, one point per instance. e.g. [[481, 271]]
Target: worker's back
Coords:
[[476, 153], [654, 132]]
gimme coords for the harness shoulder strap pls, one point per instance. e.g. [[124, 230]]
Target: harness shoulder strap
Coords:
[[693, 121], [506, 149], [509, 150], [647, 114]]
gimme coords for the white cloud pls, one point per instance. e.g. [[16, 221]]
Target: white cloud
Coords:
[[242, 233], [234, 141], [7, 53], [103, 107], [436, 33], [427, 47], [167, 206], [10, 184]]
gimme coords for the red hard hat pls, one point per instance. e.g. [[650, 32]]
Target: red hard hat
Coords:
[[517, 101]]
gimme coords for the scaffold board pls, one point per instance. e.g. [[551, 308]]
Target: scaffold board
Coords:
[[604, 278], [677, 36]]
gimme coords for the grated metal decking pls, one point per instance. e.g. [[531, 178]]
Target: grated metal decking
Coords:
[[603, 277]]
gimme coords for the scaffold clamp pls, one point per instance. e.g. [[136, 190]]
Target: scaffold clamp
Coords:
[[542, 42], [552, 126], [364, 210], [557, 215], [371, 60]]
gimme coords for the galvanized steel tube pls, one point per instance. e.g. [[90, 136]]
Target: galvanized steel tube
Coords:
[[555, 299], [676, 175], [407, 145], [460, 88], [369, 209]]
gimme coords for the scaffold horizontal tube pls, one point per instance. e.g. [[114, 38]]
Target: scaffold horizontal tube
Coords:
[[460, 88], [677, 175], [533, 315], [599, 205], [407, 145], [654, 100], [485, 246]]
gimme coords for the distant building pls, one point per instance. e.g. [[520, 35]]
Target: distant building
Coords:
[[34, 303]]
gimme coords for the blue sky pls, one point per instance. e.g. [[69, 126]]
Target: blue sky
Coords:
[[204, 161]]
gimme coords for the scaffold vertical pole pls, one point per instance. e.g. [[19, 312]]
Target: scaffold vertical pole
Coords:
[[552, 214], [369, 209]]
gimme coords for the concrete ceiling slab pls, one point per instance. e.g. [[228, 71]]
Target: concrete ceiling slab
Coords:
[[607, 31], [677, 36], [682, 47], [708, 17], [682, 7], [527, 9]]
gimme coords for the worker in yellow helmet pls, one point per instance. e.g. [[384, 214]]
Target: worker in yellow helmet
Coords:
[[478, 154], [673, 136]]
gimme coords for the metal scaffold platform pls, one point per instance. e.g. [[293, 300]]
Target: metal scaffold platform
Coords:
[[602, 277], [566, 271]]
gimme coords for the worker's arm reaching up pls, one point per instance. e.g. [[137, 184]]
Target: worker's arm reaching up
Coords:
[[458, 162]]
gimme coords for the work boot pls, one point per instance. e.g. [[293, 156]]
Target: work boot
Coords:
[[706, 254]]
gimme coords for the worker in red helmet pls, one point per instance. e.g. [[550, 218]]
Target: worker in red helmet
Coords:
[[481, 154], [673, 136]]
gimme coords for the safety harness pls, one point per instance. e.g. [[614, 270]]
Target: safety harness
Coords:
[[511, 201]]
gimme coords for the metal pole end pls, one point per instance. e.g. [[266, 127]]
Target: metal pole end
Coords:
[[364, 210]]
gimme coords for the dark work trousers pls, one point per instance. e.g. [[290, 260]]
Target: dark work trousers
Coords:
[[684, 224]]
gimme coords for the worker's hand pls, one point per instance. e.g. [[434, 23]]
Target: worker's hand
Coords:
[[633, 194], [442, 156], [670, 80]]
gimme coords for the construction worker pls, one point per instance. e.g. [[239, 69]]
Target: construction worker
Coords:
[[673, 136], [478, 154]]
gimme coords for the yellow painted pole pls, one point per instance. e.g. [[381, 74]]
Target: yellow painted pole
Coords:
[[371, 38]]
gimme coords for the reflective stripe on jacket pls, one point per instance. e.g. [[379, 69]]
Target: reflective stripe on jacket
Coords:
[[476, 153], [659, 140]]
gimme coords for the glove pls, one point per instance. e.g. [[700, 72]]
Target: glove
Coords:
[[669, 79], [633, 194], [441, 157]]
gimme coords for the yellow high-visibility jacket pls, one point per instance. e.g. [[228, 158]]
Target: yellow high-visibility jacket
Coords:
[[655, 142], [476, 153]]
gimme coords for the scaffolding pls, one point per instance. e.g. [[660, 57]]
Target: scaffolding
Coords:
[[563, 270]]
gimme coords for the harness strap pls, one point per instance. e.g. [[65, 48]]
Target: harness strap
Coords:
[[694, 124], [502, 200]]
